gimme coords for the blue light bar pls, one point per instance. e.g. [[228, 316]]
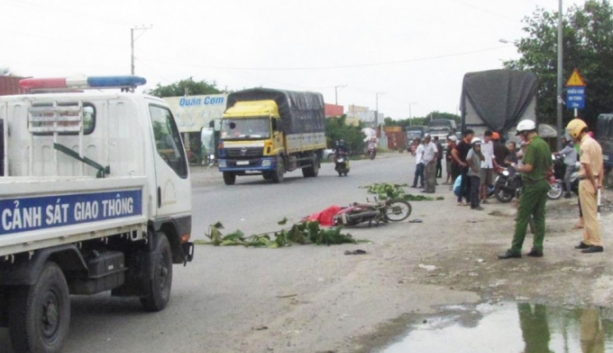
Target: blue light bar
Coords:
[[115, 81]]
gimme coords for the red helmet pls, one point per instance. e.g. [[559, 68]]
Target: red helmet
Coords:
[[495, 136]]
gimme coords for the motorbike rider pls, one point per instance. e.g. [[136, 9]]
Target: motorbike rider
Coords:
[[591, 176], [570, 159], [340, 148], [372, 144], [537, 164]]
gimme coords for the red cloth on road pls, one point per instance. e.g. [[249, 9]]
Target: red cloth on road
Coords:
[[325, 217]]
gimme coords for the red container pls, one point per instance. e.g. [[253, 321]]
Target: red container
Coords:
[[10, 85]]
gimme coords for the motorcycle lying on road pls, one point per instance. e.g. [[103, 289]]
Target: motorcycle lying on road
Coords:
[[341, 163], [378, 212]]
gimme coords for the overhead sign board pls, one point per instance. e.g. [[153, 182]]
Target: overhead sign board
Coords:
[[192, 113]]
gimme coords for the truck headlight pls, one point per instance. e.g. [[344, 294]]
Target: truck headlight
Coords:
[[222, 163], [266, 163]]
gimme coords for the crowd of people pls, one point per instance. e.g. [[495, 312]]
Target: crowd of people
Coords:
[[472, 163]]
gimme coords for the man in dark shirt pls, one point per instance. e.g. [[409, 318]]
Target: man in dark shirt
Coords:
[[439, 158], [511, 157], [500, 150], [459, 155]]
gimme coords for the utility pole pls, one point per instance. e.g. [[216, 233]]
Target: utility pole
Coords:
[[559, 100], [410, 115], [132, 40], [336, 92], [377, 110]]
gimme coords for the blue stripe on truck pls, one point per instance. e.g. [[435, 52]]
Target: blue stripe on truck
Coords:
[[27, 214]]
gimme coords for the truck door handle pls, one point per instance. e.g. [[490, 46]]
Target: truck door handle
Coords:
[[159, 197]]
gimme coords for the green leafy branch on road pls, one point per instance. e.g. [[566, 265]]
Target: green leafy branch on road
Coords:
[[299, 233], [385, 191]]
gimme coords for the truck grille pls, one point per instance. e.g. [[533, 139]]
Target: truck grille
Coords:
[[245, 152]]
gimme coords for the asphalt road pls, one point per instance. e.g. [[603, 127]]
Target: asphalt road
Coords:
[[255, 205], [221, 300]]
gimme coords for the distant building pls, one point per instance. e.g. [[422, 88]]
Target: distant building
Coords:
[[332, 110], [364, 115]]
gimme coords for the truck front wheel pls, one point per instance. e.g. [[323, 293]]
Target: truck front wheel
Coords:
[[39, 315], [229, 178], [157, 291], [277, 176]]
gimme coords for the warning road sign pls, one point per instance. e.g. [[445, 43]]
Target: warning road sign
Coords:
[[575, 80]]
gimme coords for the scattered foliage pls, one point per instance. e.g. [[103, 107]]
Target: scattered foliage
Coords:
[[386, 191], [299, 233]]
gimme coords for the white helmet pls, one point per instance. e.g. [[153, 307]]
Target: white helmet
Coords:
[[525, 125], [475, 140]]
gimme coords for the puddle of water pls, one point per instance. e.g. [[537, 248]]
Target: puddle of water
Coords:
[[510, 327]]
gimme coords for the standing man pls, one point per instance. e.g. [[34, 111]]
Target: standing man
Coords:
[[500, 150], [487, 166], [452, 170], [570, 159], [591, 175], [429, 159], [419, 165], [511, 157], [536, 165], [459, 155], [439, 158], [474, 159]]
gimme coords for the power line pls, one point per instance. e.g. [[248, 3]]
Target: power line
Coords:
[[333, 67]]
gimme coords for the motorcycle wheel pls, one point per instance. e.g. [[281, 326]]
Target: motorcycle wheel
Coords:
[[555, 190], [397, 210], [504, 196], [372, 156]]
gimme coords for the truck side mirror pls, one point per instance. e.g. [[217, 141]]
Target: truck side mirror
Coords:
[[274, 125]]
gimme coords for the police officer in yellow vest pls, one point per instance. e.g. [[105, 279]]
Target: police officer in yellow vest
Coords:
[[537, 163], [591, 176]]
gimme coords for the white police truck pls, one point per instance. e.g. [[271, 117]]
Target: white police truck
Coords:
[[94, 196]]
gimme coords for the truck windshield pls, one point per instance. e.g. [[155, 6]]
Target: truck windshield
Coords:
[[245, 128], [413, 135]]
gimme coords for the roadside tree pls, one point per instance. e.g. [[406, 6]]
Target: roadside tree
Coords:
[[588, 47]]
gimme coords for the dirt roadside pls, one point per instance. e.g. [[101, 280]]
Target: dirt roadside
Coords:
[[448, 259]]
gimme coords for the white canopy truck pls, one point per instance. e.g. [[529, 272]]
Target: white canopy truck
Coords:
[[94, 196]]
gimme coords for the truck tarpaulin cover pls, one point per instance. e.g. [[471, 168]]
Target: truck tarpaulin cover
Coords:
[[301, 112], [483, 90]]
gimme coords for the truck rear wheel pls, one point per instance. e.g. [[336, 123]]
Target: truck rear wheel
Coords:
[[157, 291], [277, 176], [229, 178], [39, 315], [312, 170]]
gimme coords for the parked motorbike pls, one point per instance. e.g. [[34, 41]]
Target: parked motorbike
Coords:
[[507, 185], [558, 187], [378, 212], [341, 164]]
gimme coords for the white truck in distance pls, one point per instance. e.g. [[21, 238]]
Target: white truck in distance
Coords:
[[94, 196]]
